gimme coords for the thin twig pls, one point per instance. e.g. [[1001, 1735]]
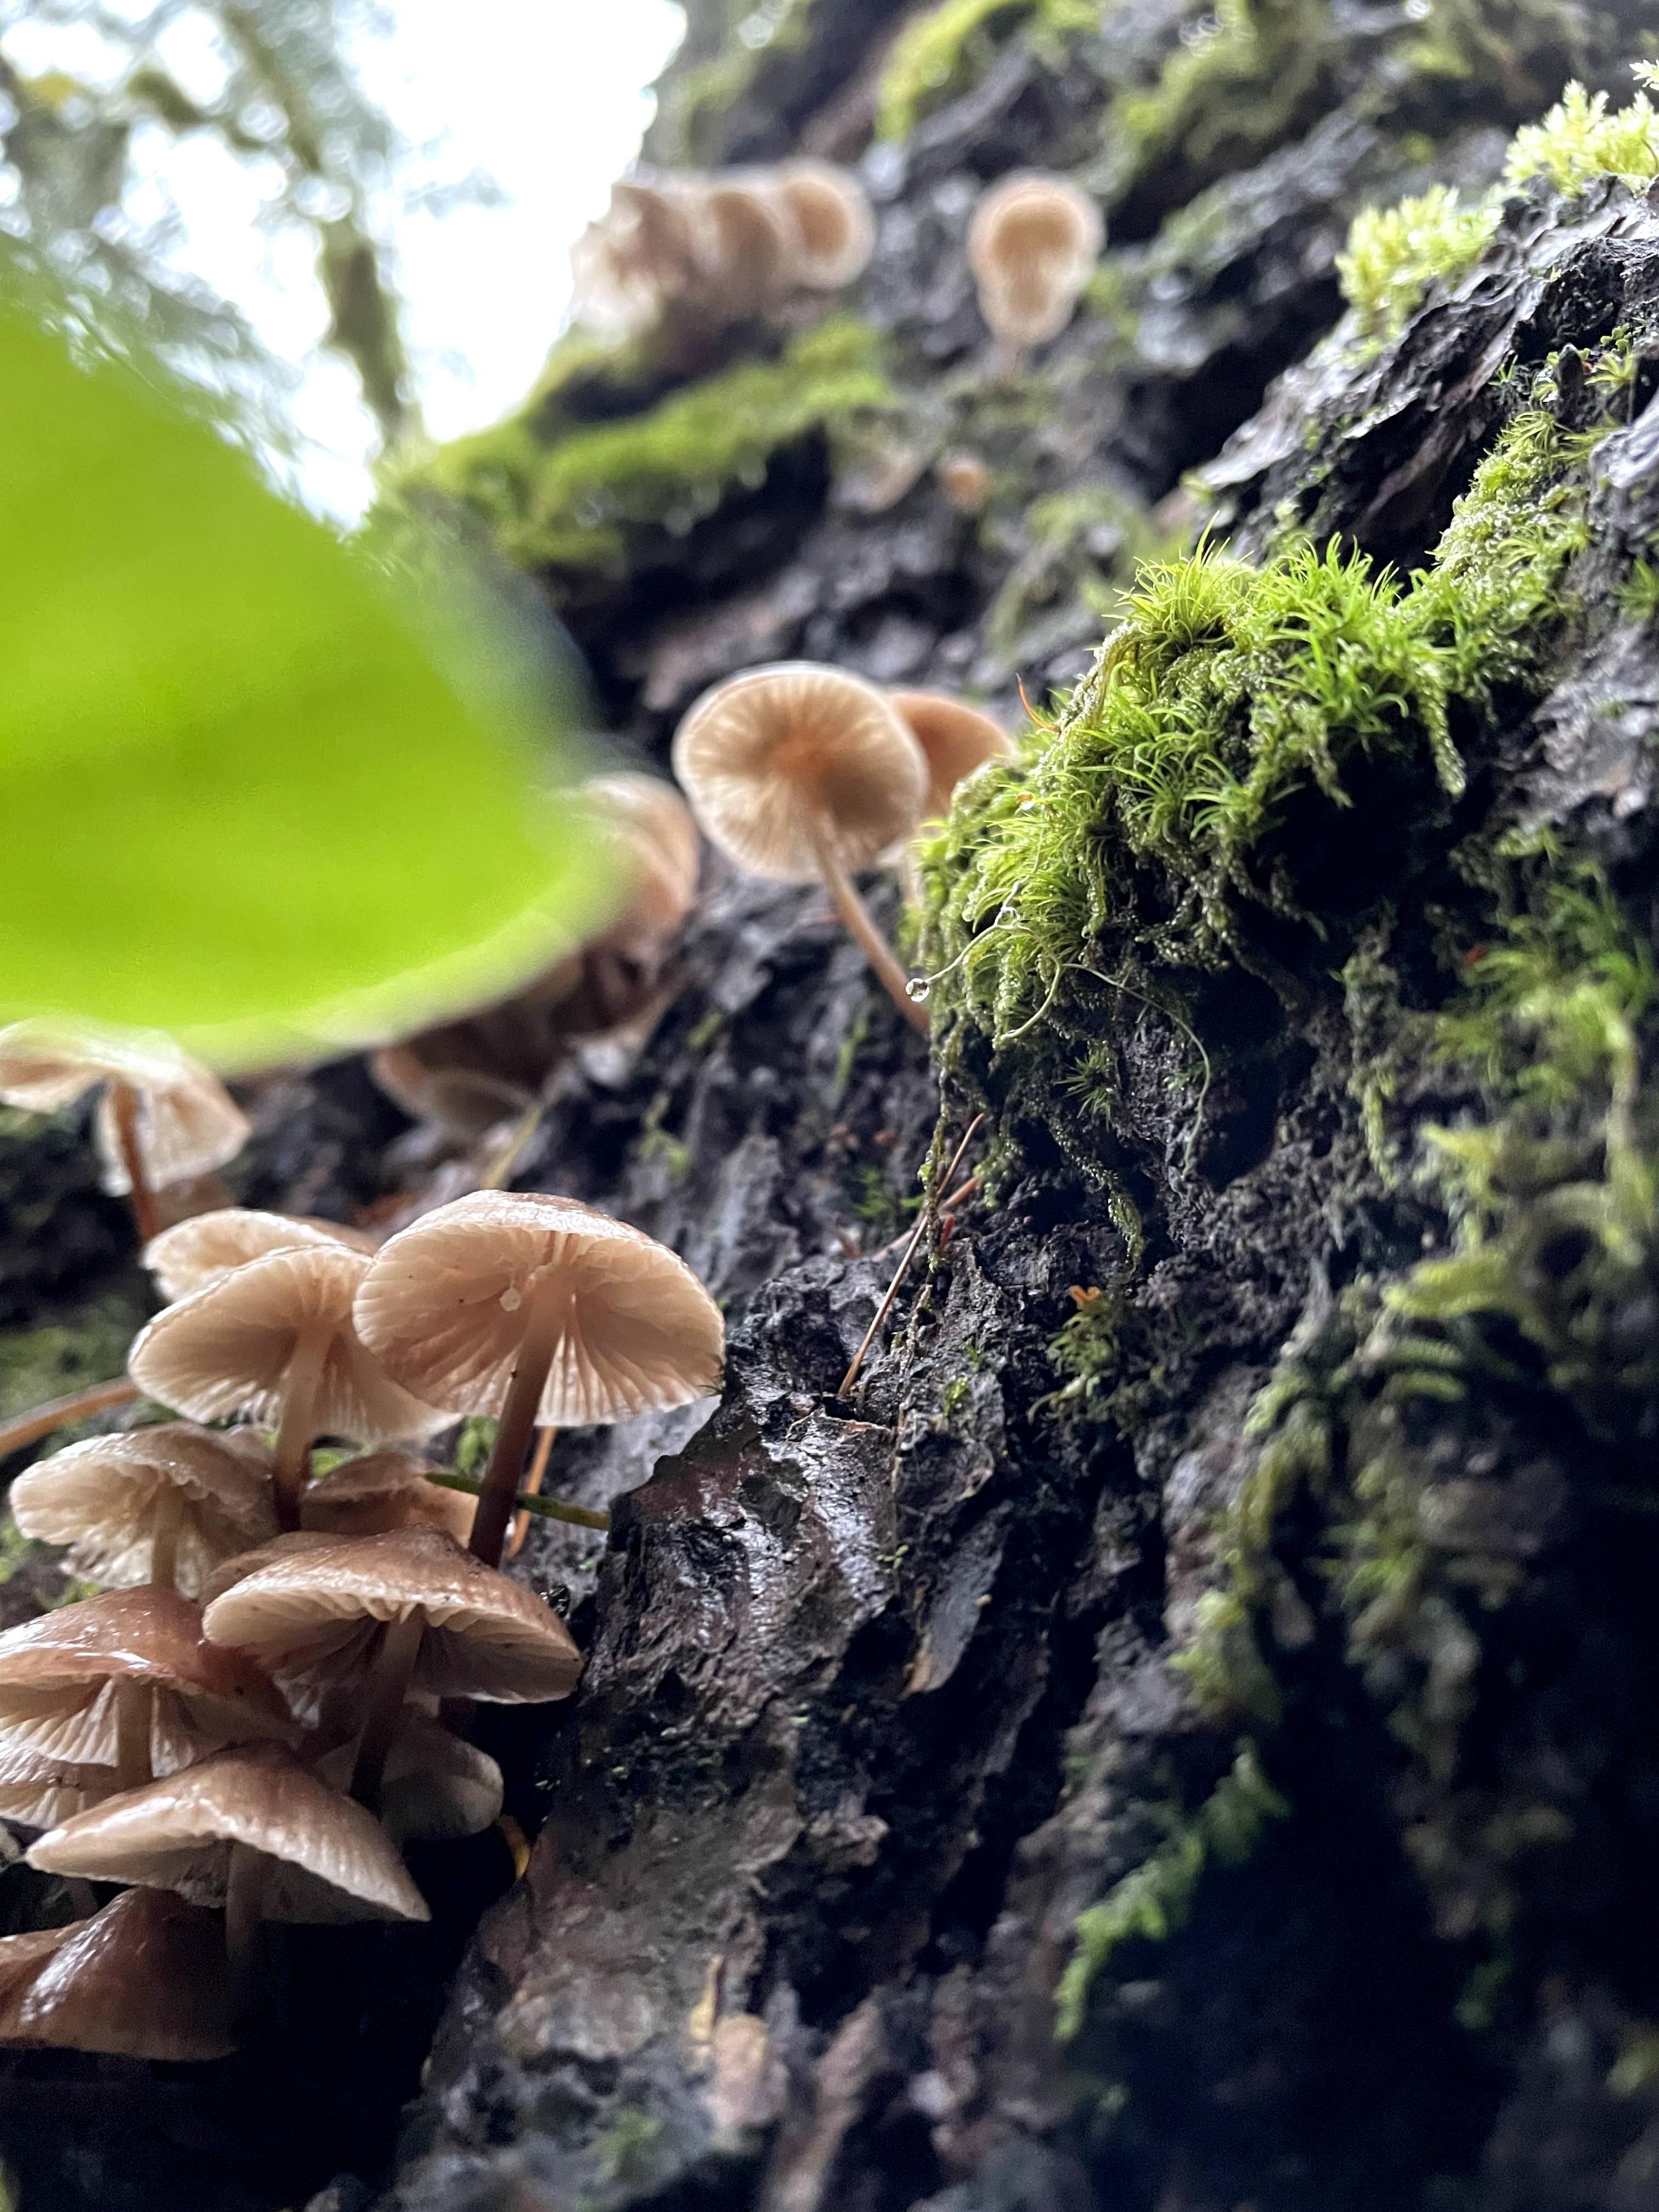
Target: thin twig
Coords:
[[532, 1484], [886, 1305], [551, 1509], [97, 1398], [508, 1157]]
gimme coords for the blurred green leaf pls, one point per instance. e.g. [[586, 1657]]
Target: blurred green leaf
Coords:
[[252, 790]]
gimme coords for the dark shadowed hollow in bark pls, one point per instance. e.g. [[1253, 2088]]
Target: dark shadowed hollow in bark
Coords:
[[1182, 1735]]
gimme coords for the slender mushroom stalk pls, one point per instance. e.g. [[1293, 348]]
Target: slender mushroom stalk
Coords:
[[545, 1324], [297, 1430], [856, 918], [123, 1118], [164, 1542], [387, 1692], [246, 1879], [135, 1718]]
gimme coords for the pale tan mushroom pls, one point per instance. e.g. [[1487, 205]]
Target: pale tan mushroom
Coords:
[[384, 1490], [285, 1547], [127, 1680], [420, 1077], [750, 244], [38, 1792], [436, 1787], [196, 1252], [965, 481], [250, 1829], [406, 1611], [274, 1341], [163, 1118], [146, 1977], [543, 1311], [835, 230], [803, 773], [162, 1505], [1032, 246], [642, 257], [955, 740]]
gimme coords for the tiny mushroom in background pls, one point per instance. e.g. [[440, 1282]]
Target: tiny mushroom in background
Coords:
[[163, 1118], [384, 1615], [146, 1977], [965, 481], [194, 1253], [383, 1490], [127, 1680], [804, 773], [543, 1311], [1032, 246], [955, 739], [641, 256], [274, 1341], [421, 1077], [750, 243], [251, 1829], [835, 230], [164, 1504]]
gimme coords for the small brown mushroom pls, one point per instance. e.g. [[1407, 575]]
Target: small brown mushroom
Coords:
[[383, 1490], [750, 244], [408, 1610], [955, 740], [146, 1977], [800, 773], [1032, 244], [642, 257], [285, 1547], [274, 1341], [163, 1118], [127, 1680], [543, 1311], [835, 230], [252, 1830], [196, 1252], [162, 1505], [964, 480]]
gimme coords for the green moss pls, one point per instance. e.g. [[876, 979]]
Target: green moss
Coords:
[[54, 1357], [657, 1148], [1157, 1898], [1084, 1349], [694, 101], [1582, 139], [1393, 254], [578, 498], [942, 51], [626, 2152], [1639, 598]]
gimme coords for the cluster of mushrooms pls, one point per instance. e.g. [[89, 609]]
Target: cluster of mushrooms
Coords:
[[685, 254], [268, 1696]]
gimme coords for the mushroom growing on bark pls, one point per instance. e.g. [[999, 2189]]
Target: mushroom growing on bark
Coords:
[[803, 773], [385, 1615], [544, 1312], [196, 1252], [274, 1341], [1032, 246], [163, 1118], [383, 1490], [748, 242], [146, 1977], [835, 231], [162, 1505], [955, 739], [127, 1680], [641, 256]]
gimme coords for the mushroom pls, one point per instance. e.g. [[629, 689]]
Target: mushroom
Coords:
[[436, 1787], [285, 1547], [273, 1340], [198, 1251], [251, 1829], [955, 739], [38, 1792], [409, 1610], [163, 1117], [750, 243], [834, 229], [964, 480], [162, 1505], [640, 257], [540, 1311], [127, 1680], [798, 772], [420, 1077], [1032, 244], [383, 1490], [146, 1977]]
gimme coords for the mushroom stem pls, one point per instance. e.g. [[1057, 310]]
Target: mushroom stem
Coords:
[[164, 1542], [134, 1704], [543, 1327], [244, 1898], [863, 931], [123, 1114], [294, 1437], [533, 1488], [386, 1694]]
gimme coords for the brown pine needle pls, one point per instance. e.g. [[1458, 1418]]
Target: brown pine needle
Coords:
[[24, 1429], [923, 1219], [533, 1488]]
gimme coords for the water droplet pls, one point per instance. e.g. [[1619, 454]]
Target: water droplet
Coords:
[[512, 1299], [917, 988]]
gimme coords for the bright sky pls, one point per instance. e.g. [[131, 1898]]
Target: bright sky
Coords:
[[547, 97]]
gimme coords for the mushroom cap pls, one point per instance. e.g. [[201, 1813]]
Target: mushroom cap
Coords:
[[836, 229], [103, 1496], [435, 1787], [1032, 242], [965, 479], [198, 1251], [383, 1490], [317, 1617], [58, 1673], [775, 760], [329, 1859], [37, 1793], [146, 1977], [233, 1570], [186, 1122], [226, 1348], [651, 827], [446, 1302], [642, 254], [955, 739], [466, 1100], [748, 242]]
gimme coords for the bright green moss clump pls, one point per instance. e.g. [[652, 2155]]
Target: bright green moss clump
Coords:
[[1580, 139], [577, 500], [1393, 254], [939, 51]]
